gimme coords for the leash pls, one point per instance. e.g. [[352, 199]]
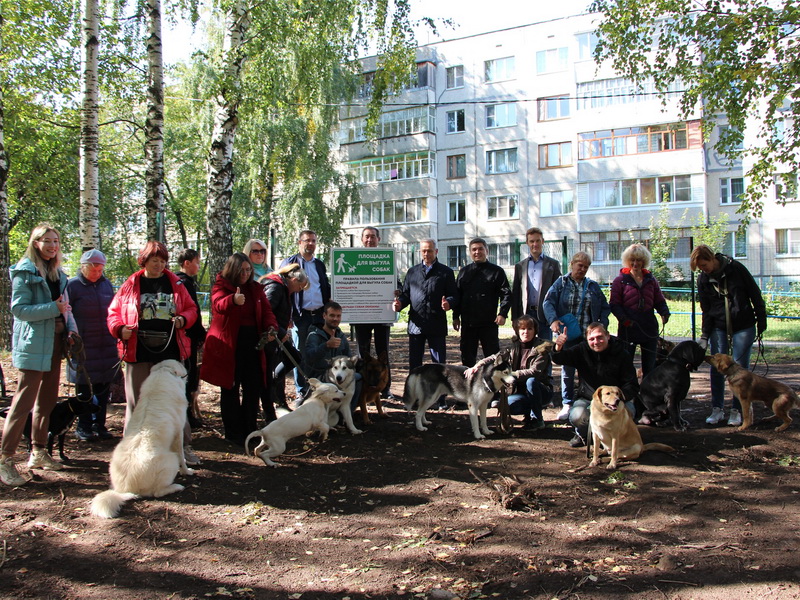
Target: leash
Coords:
[[75, 354], [760, 355], [260, 346]]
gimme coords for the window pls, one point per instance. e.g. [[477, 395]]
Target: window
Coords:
[[409, 210], [501, 115], [457, 211], [787, 241], [456, 256], [561, 202], [557, 107], [365, 89], [610, 92], [630, 192], [501, 161], [731, 190], [502, 254], [455, 121], [786, 186], [587, 42], [735, 244], [550, 61], [638, 140], [455, 77], [502, 207], [555, 155], [388, 168], [456, 166], [499, 69]]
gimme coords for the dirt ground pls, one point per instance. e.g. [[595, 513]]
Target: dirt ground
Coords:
[[395, 513]]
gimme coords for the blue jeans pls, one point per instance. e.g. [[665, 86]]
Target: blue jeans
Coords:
[[742, 344], [529, 403], [568, 376]]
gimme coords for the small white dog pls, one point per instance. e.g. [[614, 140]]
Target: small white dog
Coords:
[[312, 415], [342, 373], [147, 460]]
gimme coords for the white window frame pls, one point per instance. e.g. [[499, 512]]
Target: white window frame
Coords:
[[587, 42], [562, 106], [726, 190], [552, 60], [787, 242], [499, 69], [453, 121], [735, 244], [559, 202], [460, 206], [454, 77], [501, 115], [504, 207], [510, 161], [457, 256], [502, 254]]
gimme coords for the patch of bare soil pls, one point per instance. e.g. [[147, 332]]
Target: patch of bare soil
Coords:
[[395, 513]]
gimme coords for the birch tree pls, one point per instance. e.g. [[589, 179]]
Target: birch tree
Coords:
[[154, 142], [90, 127]]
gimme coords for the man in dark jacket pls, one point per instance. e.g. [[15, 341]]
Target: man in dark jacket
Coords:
[[533, 277], [600, 360], [307, 304], [481, 286], [430, 290]]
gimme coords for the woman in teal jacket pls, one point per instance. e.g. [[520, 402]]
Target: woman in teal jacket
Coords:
[[42, 320]]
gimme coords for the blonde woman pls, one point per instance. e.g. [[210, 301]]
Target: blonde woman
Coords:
[[256, 251], [42, 322]]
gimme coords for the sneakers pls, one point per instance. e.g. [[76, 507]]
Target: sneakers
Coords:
[[40, 459], [533, 424], [735, 418], [102, 432], [563, 414], [9, 474], [577, 441], [85, 436], [192, 460], [717, 415], [494, 404]]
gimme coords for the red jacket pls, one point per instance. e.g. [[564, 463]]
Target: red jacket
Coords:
[[219, 355], [124, 310]]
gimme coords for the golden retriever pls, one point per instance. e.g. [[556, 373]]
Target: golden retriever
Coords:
[[150, 455], [749, 387], [613, 427]]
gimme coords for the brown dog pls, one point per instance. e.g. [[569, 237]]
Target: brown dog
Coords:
[[375, 376], [613, 427], [749, 387]]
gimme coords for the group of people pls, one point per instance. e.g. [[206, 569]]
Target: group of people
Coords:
[[265, 323]]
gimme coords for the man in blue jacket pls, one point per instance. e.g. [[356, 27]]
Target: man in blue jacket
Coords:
[[430, 290]]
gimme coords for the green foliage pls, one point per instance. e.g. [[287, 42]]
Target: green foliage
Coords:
[[738, 58], [781, 304], [662, 243], [712, 233]]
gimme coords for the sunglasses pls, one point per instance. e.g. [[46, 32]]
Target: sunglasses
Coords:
[[262, 251]]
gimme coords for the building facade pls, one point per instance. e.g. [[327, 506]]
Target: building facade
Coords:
[[518, 128]]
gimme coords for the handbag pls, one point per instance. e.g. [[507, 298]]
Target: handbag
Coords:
[[155, 341], [571, 322]]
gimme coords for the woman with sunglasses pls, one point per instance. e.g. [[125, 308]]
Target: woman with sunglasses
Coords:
[[256, 251]]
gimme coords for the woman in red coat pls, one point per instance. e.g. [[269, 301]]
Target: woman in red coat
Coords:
[[152, 301], [240, 313]]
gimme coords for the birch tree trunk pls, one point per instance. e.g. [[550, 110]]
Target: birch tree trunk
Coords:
[[5, 282], [154, 125], [220, 157], [89, 216]]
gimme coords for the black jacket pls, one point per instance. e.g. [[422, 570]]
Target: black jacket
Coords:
[[196, 333], [424, 292], [612, 366], [747, 305], [481, 286]]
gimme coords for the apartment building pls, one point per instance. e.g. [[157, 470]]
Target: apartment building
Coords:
[[519, 127]]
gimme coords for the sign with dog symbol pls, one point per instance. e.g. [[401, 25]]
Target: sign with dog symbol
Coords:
[[364, 283]]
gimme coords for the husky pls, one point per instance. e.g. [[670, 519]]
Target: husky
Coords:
[[425, 384], [342, 373]]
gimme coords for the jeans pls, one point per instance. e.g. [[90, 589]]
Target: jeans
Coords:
[[568, 376], [529, 403], [742, 344]]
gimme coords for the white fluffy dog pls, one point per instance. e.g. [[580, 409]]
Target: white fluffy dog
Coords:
[[312, 415], [147, 460]]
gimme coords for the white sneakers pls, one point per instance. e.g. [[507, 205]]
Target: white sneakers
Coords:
[[735, 418], [563, 414], [40, 459], [9, 474], [192, 460], [717, 415]]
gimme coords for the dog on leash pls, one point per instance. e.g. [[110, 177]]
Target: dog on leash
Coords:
[[749, 387], [666, 386], [61, 420], [342, 373], [310, 416], [374, 376], [150, 455], [426, 383], [613, 428]]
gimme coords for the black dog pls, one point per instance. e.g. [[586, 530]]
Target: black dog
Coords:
[[665, 387], [61, 420]]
